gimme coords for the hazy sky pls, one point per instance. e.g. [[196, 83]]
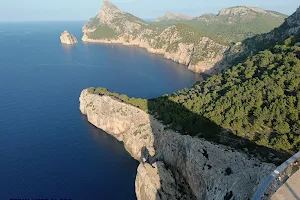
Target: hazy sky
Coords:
[[32, 10]]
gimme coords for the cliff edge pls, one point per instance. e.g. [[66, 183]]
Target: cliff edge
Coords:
[[174, 166]]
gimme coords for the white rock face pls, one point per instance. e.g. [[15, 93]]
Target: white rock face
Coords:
[[177, 166], [153, 178], [68, 38]]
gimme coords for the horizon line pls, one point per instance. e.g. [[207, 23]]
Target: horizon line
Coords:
[[55, 20]]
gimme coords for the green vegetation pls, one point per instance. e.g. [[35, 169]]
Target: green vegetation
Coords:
[[257, 100], [103, 32], [93, 22], [229, 29], [252, 45], [140, 103]]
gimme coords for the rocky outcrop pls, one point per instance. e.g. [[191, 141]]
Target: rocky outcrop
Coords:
[[174, 166], [177, 42], [172, 16], [68, 38]]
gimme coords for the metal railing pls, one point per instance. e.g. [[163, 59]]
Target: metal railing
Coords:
[[263, 187]]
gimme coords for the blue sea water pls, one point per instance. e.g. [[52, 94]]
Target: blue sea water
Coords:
[[47, 148]]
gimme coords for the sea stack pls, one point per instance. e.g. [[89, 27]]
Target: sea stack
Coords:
[[68, 38]]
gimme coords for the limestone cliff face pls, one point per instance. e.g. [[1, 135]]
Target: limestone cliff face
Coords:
[[179, 43], [68, 38], [174, 166]]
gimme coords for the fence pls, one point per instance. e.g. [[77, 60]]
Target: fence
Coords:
[[268, 187]]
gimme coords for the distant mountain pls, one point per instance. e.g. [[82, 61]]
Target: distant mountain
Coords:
[[250, 46], [231, 24], [180, 43], [171, 16]]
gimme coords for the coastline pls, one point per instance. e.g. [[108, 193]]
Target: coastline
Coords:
[[180, 57]]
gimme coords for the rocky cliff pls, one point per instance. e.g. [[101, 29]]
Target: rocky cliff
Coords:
[[68, 38], [180, 43], [174, 166]]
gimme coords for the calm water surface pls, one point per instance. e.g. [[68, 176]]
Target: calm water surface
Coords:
[[47, 148]]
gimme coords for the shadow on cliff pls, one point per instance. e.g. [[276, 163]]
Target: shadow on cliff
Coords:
[[178, 118], [194, 125]]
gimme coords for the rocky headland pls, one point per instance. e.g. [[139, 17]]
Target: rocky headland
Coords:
[[68, 38], [179, 43], [174, 166], [194, 42]]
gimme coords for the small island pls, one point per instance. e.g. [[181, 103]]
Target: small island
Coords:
[[68, 38]]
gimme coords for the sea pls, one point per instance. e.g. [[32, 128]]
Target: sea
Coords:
[[48, 149]]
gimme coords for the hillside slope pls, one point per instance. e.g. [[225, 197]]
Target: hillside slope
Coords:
[[230, 24], [240, 51]]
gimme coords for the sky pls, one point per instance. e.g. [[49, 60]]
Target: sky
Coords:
[[37, 10]]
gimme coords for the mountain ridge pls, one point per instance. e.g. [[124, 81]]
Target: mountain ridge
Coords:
[[232, 24], [173, 16], [250, 46], [224, 11]]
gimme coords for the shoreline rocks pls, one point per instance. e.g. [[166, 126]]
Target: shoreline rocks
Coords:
[[68, 38]]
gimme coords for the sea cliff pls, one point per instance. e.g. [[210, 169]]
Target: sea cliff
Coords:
[[174, 166]]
